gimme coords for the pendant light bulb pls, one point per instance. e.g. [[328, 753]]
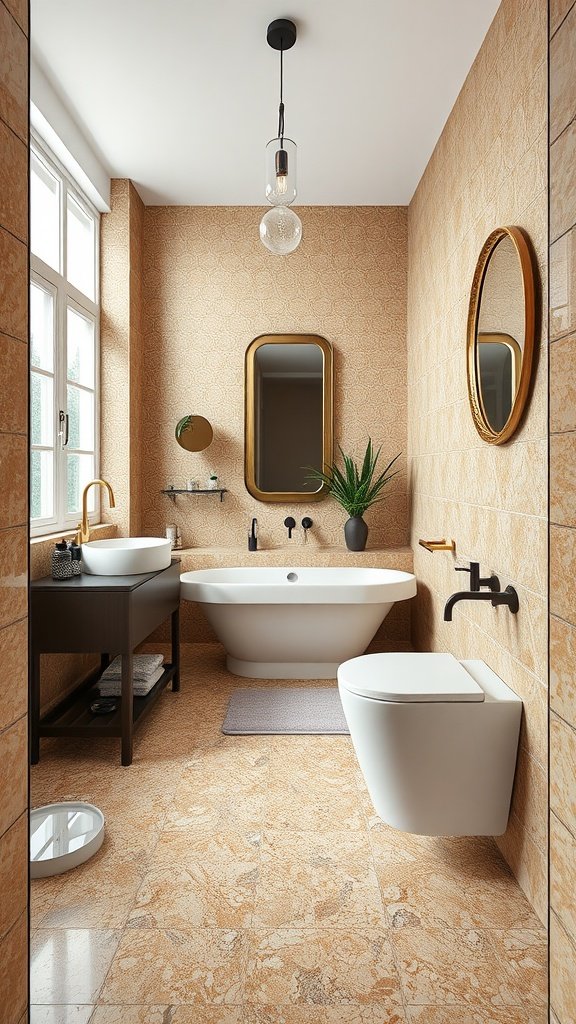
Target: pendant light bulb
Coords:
[[281, 230], [281, 172]]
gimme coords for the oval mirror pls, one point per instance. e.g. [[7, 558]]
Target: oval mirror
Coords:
[[288, 416], [193, 433], [501, 322]]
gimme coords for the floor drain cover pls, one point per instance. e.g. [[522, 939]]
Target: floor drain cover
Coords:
[[63, 836]]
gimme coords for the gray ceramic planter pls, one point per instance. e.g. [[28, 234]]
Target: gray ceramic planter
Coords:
[[355, 533]]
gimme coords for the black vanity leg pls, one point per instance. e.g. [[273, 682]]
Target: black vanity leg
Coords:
[[104, 662], [176, 649], [35, 709], [127, 709]]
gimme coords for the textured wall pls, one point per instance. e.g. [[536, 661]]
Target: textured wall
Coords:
[[13, 509], [121, 354], [488, 169], [563, 510], [210, 287]]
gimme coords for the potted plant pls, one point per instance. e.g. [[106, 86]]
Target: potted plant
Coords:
[[356, 489]]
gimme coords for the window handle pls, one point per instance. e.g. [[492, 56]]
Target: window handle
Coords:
[[64, 431]]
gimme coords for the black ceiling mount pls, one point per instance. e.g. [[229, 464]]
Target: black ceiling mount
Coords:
[[281, 34]]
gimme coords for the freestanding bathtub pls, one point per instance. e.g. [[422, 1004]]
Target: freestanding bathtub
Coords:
[[293, 623]]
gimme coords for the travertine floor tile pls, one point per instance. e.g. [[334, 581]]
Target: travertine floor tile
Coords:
[[452, 966], [63, 1014], [200, 895], [475, 1015], [68, 965], [526, 953], [436, 896], [204, 965], [255, 884], [167, 1015], [329, 967]]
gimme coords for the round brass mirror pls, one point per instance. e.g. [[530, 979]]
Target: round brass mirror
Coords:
[[193, 433], [501, 324]]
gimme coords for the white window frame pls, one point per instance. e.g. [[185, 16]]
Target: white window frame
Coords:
[[65, 295]]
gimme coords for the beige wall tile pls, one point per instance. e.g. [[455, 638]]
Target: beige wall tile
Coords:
[[563, 479], [558, 11], [13, 286], [563, 182], [529, 864], [563, 873], [13, 398], [14, 658], [14, 975], [13, 480], [13, 183], [19, 10], [563, 385], [563, 771], [488, 168], [13, 873], [563, 285], [562, 661], [562, 78], [209, 290], [13, 74], [562, 572], [562, 973], [14, 760], [13, 575]]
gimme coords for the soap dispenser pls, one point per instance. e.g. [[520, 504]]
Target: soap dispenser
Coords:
[[61, 562]]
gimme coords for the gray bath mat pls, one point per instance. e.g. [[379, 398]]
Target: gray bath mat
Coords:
[[297, 710]]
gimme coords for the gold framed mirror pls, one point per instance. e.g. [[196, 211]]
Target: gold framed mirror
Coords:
[[288, 416], [501, 330]]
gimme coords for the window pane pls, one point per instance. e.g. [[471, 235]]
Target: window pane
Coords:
[[80, 472], [44, 213], [41, 327], [80, 345], [80, 248], [41, 485], [41, 410], [81, 413]]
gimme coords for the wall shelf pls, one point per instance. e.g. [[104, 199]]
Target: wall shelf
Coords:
[[173, 491]]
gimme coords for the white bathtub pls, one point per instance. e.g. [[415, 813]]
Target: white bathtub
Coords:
[[293, 623]]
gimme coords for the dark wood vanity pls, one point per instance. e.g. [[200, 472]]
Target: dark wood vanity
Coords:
[[109, 615]]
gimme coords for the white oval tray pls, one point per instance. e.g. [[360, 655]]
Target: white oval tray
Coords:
[[62, 836]]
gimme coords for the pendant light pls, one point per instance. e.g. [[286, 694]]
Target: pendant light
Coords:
[[280, 227]]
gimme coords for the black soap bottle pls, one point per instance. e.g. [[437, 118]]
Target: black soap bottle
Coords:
[[76, 558]]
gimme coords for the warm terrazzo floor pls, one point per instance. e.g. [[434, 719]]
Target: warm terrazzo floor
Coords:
[[248, 881]]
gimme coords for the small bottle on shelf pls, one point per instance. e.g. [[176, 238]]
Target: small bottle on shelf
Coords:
[[213, 482]]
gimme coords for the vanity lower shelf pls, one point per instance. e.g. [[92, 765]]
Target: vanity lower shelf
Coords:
[[72, 717]]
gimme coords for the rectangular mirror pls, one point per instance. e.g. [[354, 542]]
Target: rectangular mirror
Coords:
[[288, 416]]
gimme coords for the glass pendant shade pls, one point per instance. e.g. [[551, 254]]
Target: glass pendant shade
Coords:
[[281, 172], [281, 230]]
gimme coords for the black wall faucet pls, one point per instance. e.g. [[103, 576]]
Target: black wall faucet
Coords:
[[508, 597], [289, 523], [496, 596]]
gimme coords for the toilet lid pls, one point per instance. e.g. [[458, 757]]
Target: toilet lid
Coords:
[[408, 677]]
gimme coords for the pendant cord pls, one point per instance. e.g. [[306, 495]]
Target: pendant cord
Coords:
[[281, 107]]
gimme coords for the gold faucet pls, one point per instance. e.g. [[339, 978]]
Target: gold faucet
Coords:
[[83, 535]]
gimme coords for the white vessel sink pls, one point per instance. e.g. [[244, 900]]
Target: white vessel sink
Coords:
[[126, 556]]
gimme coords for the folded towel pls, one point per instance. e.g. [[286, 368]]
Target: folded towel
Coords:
[[113, 687], [143, 668]]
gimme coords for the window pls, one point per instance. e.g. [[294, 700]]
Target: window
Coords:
[[64, 347]]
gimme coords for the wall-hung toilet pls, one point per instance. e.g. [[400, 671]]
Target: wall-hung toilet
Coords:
[[436, 740]]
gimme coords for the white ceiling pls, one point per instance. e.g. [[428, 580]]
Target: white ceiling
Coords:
[[182, 95]]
